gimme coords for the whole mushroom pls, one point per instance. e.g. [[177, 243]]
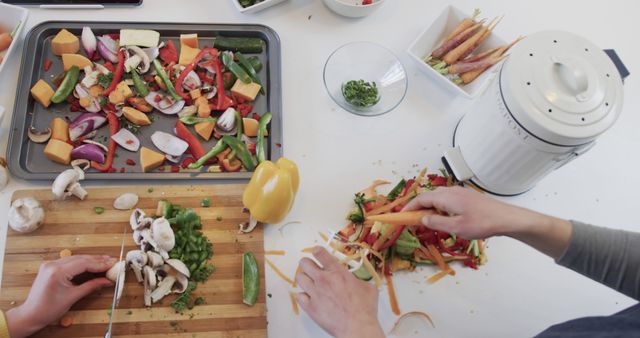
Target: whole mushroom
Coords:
[[25, 215], [125, 201], [163, 234], [66, 184]]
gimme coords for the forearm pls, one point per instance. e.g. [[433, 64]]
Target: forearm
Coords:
[[547, 234], [19, 324]]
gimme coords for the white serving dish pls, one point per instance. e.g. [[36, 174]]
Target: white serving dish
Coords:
[[10, 17], [353, 8], [432, 37], [257, 7]]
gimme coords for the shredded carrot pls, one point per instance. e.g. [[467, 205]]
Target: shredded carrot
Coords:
[[388, 207], [66, 320], [392, 296], [275, 252], [437, 257], [295, 282], [279, 272], [308, 249], [65, 253], [294, 303], [371, 270], [326, 239], [420, 314], [438, 276]]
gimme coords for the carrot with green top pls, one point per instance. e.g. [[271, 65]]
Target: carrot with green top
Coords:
[[456, 54], [468, 77], [482, 39], [456, 41], [464, 67], [464, 24]]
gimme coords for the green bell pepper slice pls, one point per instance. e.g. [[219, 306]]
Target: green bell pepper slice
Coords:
[[250, 279], [67, 85], [241, 151]]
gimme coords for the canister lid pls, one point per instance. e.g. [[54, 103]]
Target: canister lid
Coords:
[[562, 88]]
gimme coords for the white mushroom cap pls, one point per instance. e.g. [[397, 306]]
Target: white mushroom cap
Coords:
[[163, 234], [139, 220], [150, 277], [25, 215], [136, 259], [179, 266], [181, 284], [66, 184], [155, 259], [126, 201]]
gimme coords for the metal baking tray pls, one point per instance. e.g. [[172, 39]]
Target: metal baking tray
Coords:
[[27, 160]]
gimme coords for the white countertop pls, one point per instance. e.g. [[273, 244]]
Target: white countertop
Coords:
[[519, 292]]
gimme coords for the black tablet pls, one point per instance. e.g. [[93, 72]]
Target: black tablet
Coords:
[[74, 3]]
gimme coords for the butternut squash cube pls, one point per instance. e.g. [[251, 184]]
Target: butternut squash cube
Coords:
[[205, 129], [60, 129], [187, 54], [42, 93], [70, 60], [190, 40], [136, 116], [247, 91], [58, 151], [250, 127], [150, 159], [65, 43]]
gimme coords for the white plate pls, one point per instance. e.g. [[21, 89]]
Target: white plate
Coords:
[[257, 7], [10, 17], [432, 37]]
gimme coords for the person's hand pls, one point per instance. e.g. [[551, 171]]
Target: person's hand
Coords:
[[52, 293], [335, 299], [472, 215]]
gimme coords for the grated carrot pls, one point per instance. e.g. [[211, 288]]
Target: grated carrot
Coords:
[[294, 303], [295, 282], [308, 249], [438, 276], [392, 296], [420, 314], [388, 207], [275, 252], [438, 258], [371, 270], [278, 272]]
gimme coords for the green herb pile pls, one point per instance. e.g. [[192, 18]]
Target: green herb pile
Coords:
[[360, 93]]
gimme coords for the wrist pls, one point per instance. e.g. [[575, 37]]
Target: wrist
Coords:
[[19, 323], [369, 328]]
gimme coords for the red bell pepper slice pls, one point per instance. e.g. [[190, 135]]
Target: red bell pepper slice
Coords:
[[222, 96], [114, 126], [168, 53], [210, 51], [195, 147], [47, 64], [244, 109], [392, 239], [117, 75], [231, 165], [438, 181], [108, 65]]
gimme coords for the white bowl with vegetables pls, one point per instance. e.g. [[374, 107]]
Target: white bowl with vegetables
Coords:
[[354, 8], [459, 51], [252, 6], [12, 20]]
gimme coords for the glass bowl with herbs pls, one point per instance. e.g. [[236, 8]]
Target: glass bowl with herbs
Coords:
[[365, 78]]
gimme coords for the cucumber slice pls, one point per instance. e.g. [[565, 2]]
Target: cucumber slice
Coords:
[[362, 274]]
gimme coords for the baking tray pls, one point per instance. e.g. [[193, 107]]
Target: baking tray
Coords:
[[27, 160]]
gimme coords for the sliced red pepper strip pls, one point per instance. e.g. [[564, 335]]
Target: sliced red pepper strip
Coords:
[[211, 51], [114, 126], [195, 147], [231, 165], [117, 75], [392, 239], [222, 96]]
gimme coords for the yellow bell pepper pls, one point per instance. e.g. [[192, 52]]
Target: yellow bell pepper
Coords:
[[271, 191]]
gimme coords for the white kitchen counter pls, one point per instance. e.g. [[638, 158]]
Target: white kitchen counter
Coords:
[[519, 292]]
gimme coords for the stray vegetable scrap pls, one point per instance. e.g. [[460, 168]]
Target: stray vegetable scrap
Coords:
[[380, 239], [123, 80], [250, 279], [454, 57]]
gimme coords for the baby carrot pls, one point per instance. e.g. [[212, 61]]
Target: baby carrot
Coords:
[[401, 218], [455, 41], [485, 36], [468, 77], [5, 41], [464, 24], [463, 67]]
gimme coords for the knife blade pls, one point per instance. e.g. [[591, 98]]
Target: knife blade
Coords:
[[117, 287]]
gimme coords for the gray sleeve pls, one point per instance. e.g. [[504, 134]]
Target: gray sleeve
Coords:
[[608, 256]]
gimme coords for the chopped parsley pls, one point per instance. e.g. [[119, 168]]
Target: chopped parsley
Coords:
[[360, 93], [105, 80], [205, 203], [98, 210], [130, 126]]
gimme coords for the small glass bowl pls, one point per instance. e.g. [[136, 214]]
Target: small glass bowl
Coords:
[[370, 62]]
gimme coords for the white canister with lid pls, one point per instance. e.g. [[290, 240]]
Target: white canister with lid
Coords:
[[552, 97]]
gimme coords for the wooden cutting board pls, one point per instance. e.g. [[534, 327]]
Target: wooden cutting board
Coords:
[[73, 224]]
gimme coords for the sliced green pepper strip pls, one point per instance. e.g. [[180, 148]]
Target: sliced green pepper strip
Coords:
[[244, 62], [262, 128], [216, 150], [235, 68], [395, 192], [239, 126], [163, 75], [255, 63], [241, 151], [67, 85], [139, 84], [250, 279], [190, 120]]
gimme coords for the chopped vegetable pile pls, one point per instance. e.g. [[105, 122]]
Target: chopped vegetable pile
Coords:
[[454, 58], [360, 93], [125, 80], [374, 248]]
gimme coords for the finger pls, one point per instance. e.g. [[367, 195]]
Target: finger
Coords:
[[304, 301], [305, 283], [326, 259], [425, 200], [440, 222], [76, 265], [310, 267], [89, 287]]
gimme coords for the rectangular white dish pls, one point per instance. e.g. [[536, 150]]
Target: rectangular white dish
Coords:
[[10, 17], [432, 37]]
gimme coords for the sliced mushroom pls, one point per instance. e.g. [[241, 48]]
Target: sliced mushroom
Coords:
[[38, 136], [147, 243], [150, 277], [226, 124], [126, 201], [163, 289], [181, 284], [66, 184], [155, 259], [142, 62], [191, 81], [163, 234], [81, 164], [117, 275], [139, 220], [179, 266], [25, 215], [136, 259]]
